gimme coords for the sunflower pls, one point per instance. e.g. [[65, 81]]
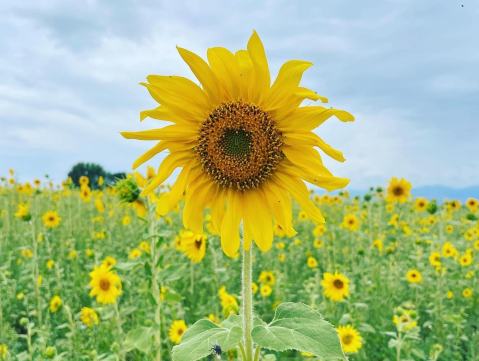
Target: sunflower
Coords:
[[194, 246], [435, 259], [55, 304], [105, 285], [351, 222], [51, 219], [336, 286], [3, 351], [472, 204], [89, 317], [420, 204], [467, 292], [177, 330], [265, 290], [23, 212], [267, 277], [312, 262], [466, 259], [414, 276], [85, 193], [398, 190], [448, 250], [244, 146], [351, 340]]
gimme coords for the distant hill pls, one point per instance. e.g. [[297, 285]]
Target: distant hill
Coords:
[[442, 192], [438, 192]]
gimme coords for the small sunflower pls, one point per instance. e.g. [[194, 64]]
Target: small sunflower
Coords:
[[194, 246], [336, 286], [351, 340], [265, 290], [177, 330], [398, 190], [414, 276], [89, 317], [51, 219], [472, 204], [312, 262], [105, 285], [420, 204], [351, 222], [55, 303], [267, 277], [245, 146]]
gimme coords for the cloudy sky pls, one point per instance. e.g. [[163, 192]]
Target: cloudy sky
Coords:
[[407, 69]]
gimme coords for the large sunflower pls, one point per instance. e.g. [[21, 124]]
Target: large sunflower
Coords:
[[244, 146]]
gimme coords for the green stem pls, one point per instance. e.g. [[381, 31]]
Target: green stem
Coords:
[[121, 352], [155, 286], [247, 307]]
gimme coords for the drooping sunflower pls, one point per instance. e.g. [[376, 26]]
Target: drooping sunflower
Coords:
[[245, 146], [105, 285], [398, 190], [336, 286], [51, 219], [351, 340]]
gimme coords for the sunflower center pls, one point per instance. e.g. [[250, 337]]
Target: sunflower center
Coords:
[[239, 146], [347, 339], [398, 191], [338, 284], [198, 243], [104, 284]]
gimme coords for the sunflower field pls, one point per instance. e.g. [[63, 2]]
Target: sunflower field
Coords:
[[103, 275]]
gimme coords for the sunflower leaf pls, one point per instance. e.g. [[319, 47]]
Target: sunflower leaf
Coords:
[[200, 338], [296, 326]]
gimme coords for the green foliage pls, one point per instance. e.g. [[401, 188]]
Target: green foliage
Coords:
[[296, 326], [91, 170], [204, 334]]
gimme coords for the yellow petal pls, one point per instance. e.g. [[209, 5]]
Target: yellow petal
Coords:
[[260, 65], [182, 89], [230, 241], [313, 139], [159, 147], [299, 191], [171, 132], [226, 69], [280, 204], [202, 72], [197, 199], [257, 219], [169, 164], [286, 82]]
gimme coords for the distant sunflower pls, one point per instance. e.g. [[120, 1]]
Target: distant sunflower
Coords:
[[89, 317], [472, 204], [55, 304], [51, 219], [244, 146], [194, 246], [105, 285], [336, 286], [351, 222], [177, 330], [414, 276], [351, 340], [398, 190], [420, 204]]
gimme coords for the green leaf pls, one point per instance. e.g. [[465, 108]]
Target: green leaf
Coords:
[[296, 326], [199, 339], [139, 338]]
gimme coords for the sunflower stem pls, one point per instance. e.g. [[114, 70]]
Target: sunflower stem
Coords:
[[155, 285], [247, 307]]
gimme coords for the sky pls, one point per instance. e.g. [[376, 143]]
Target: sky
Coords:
[[407, 70]]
